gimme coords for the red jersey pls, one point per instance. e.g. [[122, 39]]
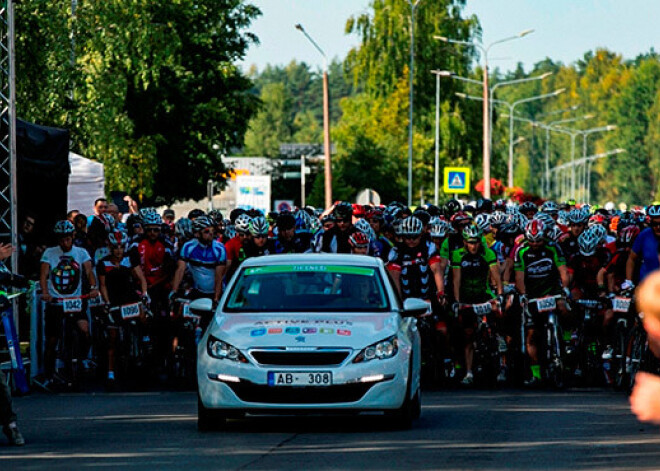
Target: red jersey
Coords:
[[156, 260]]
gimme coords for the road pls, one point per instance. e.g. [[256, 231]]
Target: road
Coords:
[[578, 429]]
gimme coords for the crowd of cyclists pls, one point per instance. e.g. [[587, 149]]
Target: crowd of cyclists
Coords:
[[493, 273]]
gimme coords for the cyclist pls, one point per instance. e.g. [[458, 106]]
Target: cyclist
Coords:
[[412, 263], [540, 271], [614, 274], [61, 277], [119, 274], [285, 226], [577, 220], [360, 243], [376, 219], [259, 244], [644, 253], [234, 245], [207, 260], [473, 266], [335, 240]]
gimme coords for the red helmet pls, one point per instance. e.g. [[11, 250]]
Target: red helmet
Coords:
[[535, 230], [460, 218], [358, 210], [627, 235], [358, 240]]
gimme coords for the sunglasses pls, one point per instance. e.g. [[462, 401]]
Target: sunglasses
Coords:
[[472, 242], [207, 231], [412, 237], [343, 221], [153, 229], [655, 224], [260, 236]]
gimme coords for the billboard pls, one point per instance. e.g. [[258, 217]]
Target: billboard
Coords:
[[253, 192]]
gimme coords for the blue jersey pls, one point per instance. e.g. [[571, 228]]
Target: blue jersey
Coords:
[[646, 249], [202, 261]]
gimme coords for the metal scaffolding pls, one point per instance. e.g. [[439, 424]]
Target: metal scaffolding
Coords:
[[8, 208]]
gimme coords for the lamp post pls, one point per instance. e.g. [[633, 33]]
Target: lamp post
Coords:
[[326, 119], [486, 123], [438, 74], [413, 8]]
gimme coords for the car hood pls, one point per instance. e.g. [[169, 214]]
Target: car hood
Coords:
[[298, 330]]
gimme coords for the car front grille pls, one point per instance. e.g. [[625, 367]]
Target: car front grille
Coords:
[[250, 392], [300, 358]]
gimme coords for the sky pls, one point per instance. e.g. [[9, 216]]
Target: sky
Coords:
[[563, 29]]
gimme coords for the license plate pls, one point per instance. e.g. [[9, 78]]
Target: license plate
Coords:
[[130, 311], [309, 378], [72, 305], [621, 304], [546, 304], [481, 309]]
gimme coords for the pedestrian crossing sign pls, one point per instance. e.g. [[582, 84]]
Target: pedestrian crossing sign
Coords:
[[457, 180]]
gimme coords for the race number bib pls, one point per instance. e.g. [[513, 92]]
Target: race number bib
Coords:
[[546, 304], [130, 311], [482, 309], [621, 304], [72, 305]]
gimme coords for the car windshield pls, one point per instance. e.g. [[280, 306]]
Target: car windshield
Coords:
[[308, 288]]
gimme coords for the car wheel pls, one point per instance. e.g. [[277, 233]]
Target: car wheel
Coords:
[[410, 410], [209, 419]]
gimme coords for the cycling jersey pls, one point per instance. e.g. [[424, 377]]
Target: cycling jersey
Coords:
[[475, 270], [617, 267], [202, 261], [156, 259], [540, 268], [66, 271], [455, 242], [119, 281], [585, 270], [250, 249], [414, 265], [336, 241], [646, 248], [569, 246]]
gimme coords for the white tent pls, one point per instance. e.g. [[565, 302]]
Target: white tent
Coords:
[[86, 183]]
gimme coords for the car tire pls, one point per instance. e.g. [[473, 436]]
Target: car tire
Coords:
[[410, 410], [209, 419]]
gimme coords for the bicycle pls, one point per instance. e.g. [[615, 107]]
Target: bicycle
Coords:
[[589, 346], [488, 346], [133, 352], [553, 355], [622, 307], [188, 334]]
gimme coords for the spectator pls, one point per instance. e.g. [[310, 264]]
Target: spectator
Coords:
[[113, 210], [28, 250], [645, 398], [100, 207]]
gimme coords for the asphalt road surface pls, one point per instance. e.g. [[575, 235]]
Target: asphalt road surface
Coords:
[[578, 429]]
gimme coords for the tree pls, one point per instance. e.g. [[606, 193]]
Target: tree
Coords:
[[272, 125]]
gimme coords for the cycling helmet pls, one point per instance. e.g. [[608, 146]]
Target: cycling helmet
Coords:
[[460, 218], [512, 208], [201, 223], [315, 225], [376, 214], [561, 219], [118, 239], [183, 228], [396, 226], [520, 220], [423, 216], [285, 221], [554, 233], [327, 218], [145, 211], [343, 210], [152, 219], [549, 207], [500, 205], [451, 207], [535, 230], [233, 215], [484, 205], [230, 231], [363, 225], [216, 216], [576, 216], [497, 218], [259, 226], [627, 235], [439, 228], [411, 226], [482, 221], [358, 239], [242, 223], [588, 242], [528, 207], [358, 210], [302, 222], [546, 218], [510, 229], [472, 232], [599, 230], [597, 219], [64, 228]]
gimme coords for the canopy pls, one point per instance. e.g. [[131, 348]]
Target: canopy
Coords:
[[86, 183]]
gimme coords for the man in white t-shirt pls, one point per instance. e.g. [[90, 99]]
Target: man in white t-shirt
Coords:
[[61, 279]]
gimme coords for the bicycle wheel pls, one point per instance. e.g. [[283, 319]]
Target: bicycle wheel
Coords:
[[638, 339], [619, 357], [554, 356]]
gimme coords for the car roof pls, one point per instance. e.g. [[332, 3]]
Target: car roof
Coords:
[[314, 258]]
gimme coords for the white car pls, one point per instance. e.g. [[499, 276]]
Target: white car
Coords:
[[309, 332]]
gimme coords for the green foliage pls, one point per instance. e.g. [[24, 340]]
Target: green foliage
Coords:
[[155, 91]]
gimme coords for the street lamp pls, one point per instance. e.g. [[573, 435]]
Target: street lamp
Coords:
[[486, 125], [326, 120], [413, 8], [438, 74]]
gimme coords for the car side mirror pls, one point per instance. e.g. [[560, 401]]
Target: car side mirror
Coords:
[[413, 307], [201, 306]]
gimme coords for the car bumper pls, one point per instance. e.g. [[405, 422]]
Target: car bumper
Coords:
[[375, 385]]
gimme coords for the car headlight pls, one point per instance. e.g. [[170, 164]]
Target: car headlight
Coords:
[[216, 348], [379, 351]]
